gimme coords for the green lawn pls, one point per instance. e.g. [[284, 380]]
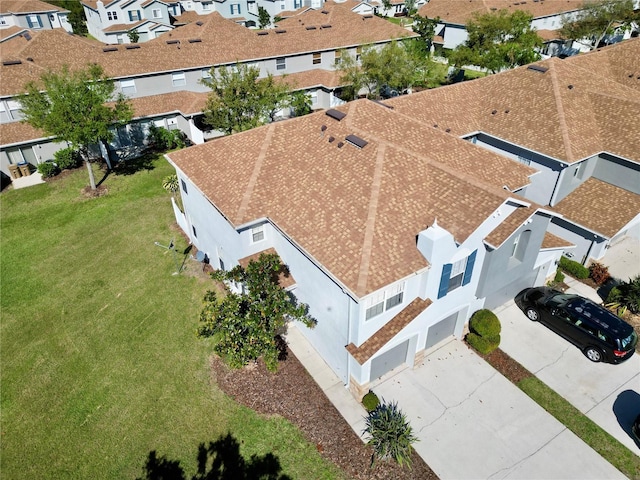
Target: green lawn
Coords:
[[100, 363]]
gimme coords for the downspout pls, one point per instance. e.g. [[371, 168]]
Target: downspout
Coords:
[[348, 338], [555, 187]]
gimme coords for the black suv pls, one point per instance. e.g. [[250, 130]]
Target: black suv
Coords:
[[601, 335]]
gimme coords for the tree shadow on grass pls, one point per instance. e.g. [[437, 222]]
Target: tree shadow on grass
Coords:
[[220, 460], [134, 165]]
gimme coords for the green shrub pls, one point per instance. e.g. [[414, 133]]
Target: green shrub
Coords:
[[485, 323], [67, 158], [614, 295], [559, 278], [370, 401], [629, 296], [483, 345], [599, 273], [163, 139], [391, 434], [48, 169], [573, 268]]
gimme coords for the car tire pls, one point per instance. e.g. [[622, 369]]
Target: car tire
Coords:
[[594, 354], [532, 314]]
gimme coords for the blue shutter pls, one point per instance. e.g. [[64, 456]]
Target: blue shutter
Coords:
[[29, 22], [468, 271], [130, 15], [139, 16], [39, 21], [444, 280]]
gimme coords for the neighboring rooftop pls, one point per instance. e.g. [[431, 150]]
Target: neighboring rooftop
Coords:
[[570, 111], [323, 190], [461, 11], [52, 48], [600, 207], [27, 6]]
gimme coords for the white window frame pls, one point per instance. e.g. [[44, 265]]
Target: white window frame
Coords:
[[134, 15], [206, 6], [4, 113], [112, 16], [178, 79], [206, 73], [457, 274], [314, 97], [234, 7], [156, 13], [257, 234], [316, 58], [384, 301], [281, 63], [15, 110]]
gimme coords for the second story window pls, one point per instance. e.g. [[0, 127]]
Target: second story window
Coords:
[[15, 110], [383, 301], [235, 9], [281, 63], [337, 56], [206, 7], [34, 21], [134, 15], [257, 234], [128, 86], [112, 15], [156, 13], [178, 79], [3, 21], [456, 274], [317, 58]]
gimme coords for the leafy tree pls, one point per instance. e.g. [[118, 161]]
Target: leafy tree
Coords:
[[410, 7], [389, 68], [300, 103], [247, 325], [170, 183], [598, 19], [391, 435], [426, 28], [72, 106], [76, 15], [239, 100], [264, 19], [134, 36], [498, 40]]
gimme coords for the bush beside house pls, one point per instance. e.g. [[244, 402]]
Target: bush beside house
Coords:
[[484, 334]]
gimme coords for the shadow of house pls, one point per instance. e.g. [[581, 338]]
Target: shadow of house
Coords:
[[626, 408]]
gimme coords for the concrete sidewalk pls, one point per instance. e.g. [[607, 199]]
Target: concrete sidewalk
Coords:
[[471, 421]]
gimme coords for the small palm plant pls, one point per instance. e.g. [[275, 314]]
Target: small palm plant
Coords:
[[170, 184], [391, 434]]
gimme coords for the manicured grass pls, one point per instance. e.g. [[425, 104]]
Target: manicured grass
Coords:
[[611, 449], [100, 361]]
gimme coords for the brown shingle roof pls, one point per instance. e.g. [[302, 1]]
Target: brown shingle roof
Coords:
[[17, 132], [312, 78], [356, 211], [508, 226], [50, 49], [461, 11], [600, 206], [184, 102], [552, 241], [27, 6], [285, 279], [379, 339], [567, 112]]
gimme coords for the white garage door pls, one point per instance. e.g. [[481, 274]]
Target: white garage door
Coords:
[[389, 360], [441, 330]]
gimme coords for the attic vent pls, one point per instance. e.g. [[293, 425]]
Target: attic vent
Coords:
[[6, 63], [570, 87], [357, 141], [172, 42], [110, 49], [435, 125], [323, 128], [29, 59], [311, 27], [281, 31], [507, 111], [325, 12], [325, 26], [263, 33], [493, 112], [132, 46], [199, 23], [367, 16], [331, 139], [340, 144], [537, 68], [448, 130], [195, 40], [27, 36], [335, 114]]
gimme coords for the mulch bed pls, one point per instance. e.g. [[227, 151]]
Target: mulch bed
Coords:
[[507, 366], [293, 394]]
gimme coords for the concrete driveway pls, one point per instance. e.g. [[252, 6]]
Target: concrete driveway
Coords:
[[608, 394], [473, 423]]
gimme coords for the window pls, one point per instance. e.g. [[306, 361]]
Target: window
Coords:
[[281, 63], [193, 228], [524, 160], [235, 9], [314, 98], [4, 115], [257, 234], [112, 16], [156, 13], [134, 15], [358, 53], [520, 245], [206, 7], [34, 21], [317, 58], [337, 56], [297, 4], [15, 110], [456, 274], [579, 171], [221, 264], [184, 186], [383, 301], [206, 73], [3, 21], [128, 86], [178, 79]]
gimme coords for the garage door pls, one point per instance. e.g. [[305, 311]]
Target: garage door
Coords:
[[389, 360], [441, 330]]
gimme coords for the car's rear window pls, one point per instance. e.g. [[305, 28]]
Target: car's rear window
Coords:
[[628, 341]]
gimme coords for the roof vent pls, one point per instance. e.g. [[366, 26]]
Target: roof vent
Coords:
[[6, 63], [367, 16], [311, 27], [448, 130], [435, 125], [325, 26], [172, 42], [325, 12], [132, 46], [537, 68], [199, 23], [335, 114], [331, 139], [27, 36], [340, 144], [507, 111], [323, 128], [29, 59], [195, 40], [110, 49], [281, 31], [631, 75], [263, 32], [357, 141], [493, 112], [570, 87]]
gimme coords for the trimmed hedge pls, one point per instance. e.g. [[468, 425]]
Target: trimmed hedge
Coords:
[[370, 401], [484, 345], [48, 169], [485, 323], [573, 268], [67, 158]]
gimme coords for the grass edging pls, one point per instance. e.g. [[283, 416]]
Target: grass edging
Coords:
[[602, 442], [587, 430]]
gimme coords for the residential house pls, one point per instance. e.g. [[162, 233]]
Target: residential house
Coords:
[[392, 233], [33, 14], [576, 121], [305, 48]]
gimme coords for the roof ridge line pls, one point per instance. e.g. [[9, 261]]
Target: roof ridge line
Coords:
[[563, 121], [369, 232], [248, 193]]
